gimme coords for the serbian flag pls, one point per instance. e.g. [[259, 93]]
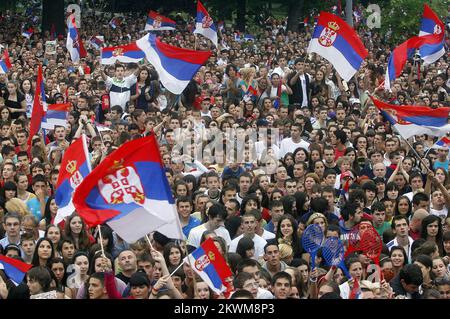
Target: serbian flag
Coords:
[[443, 143], [210, 265], [176, 66], [5, 63], [156, 22], [221, 26], [129, 53], [337, 42], [28, 33], [97, 41], [355, 293], [405, 51], [431, 24], [129, 191], [75, 166], [14, 269], [410, 120], [39, 106], [74, 43], [115, 22], [56, 115], [204, 24]]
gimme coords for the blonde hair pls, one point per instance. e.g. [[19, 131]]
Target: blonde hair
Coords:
[[246, 72], [315, 216], [286, 250], [18, 206]]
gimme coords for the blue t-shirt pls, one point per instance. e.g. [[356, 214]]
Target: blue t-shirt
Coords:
[[34, 206], [444, 165], [193, 222]]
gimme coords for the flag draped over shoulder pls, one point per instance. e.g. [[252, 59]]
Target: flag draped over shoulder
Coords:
[[129, 191], [175, 66], [337, 42], [410, 120]]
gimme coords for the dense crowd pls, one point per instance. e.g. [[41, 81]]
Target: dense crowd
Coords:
[[257, 148]]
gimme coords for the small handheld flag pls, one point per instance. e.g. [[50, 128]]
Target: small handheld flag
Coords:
[[39, 106], [75, 166], [443, 143], [210, 265], [156, 21], [5, 63], [115, 22], [56, 115], [74, 43], [204, 24]]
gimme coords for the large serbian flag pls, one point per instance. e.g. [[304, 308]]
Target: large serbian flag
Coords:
[[410, 120], [129, 191], [156, 22], [337, 42], [175, 66], [75, 166], [129, 53], [210, 265], [430, 24]]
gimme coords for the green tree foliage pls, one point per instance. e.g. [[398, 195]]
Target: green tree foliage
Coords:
[[400, 19]]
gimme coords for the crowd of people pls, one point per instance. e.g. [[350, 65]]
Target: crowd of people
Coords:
[[258, 147]]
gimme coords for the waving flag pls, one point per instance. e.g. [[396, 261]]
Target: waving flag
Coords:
[[56, 115], [210, 265], [129, 191], [431, 24], [337, 42], [75, 166], [403, 52], [204, 24], [28, 33], [39, 106], [5, 63], [176, 66], [115, 22], [129, 53], [155, 21], [249, 37], [412, 120], [97, 41], [14, 269], [221, 26], [443, 143], [74, 43]]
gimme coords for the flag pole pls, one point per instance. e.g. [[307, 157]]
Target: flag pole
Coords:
[[101, 240], [179, 266], [149, 242]]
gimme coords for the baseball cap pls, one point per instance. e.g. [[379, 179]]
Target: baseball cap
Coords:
[[347, 174]]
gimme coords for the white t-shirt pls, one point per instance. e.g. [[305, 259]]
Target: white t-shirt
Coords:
[[196, 234], [267, 235], [259, 245], [440, 213], [287, 145], [119, 90]]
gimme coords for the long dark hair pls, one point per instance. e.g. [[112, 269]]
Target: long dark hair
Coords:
[[35, 260], [83, 240], [295, 244], [439, 237], [47, 213]]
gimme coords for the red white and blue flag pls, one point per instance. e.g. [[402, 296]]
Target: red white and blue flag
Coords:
[[129, 53], [204, 24], [156, 22], [431, 24], [56, 115], [176, 66], [5, 63], [28, 32], [39, 106], [97, 41], [337, 42], [74, 43], [129, 191], [14, 269], [210, 265], [75, 166], [403, 52], [443, 143], [410, 120], [115, 22]]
